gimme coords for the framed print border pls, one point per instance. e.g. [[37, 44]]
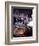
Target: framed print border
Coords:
[[7, 31]]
